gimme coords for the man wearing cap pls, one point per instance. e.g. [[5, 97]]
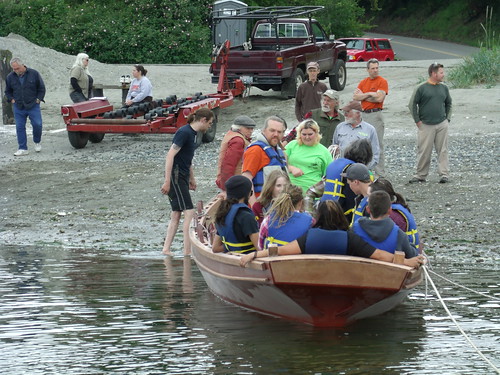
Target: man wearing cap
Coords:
[[232, 148], [308, 96], [359, 179], [354, 128], [328, 116], [265, 154], [371, 92], [237, 228]]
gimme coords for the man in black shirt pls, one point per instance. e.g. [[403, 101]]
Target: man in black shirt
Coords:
[[179, 175]]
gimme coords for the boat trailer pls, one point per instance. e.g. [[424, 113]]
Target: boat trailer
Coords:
[[92, 119]]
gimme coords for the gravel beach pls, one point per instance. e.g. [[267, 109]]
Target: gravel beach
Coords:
[[107, 195]]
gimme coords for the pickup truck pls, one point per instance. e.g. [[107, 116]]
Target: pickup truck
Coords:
[[279, 48]]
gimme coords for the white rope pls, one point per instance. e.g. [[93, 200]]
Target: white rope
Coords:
[[456, 323], [464, 287]]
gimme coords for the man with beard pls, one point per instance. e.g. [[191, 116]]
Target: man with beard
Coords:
[[354, 128], [237, 227], [328, 116], [265, 154]]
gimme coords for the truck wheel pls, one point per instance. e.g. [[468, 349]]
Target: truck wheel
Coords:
[[290, 85], [78, 139], [339, 76], [209, 135], [96, 137]]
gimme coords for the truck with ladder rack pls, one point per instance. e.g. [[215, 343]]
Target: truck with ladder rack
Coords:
[[282, 42]]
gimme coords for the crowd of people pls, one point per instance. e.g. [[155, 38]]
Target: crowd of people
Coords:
[[333, 157]]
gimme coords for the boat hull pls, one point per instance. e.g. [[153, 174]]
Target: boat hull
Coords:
[[321, 290]]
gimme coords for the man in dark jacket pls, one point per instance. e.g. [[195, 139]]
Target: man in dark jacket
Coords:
[[25, 90]]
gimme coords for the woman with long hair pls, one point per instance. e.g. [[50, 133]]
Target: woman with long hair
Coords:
[[274, 185], [80, 89], [285, 221]]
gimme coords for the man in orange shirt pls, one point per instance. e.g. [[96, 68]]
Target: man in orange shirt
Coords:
[[265, 154], [371, 92]]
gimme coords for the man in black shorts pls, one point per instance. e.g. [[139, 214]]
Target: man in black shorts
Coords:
[[179, 175]]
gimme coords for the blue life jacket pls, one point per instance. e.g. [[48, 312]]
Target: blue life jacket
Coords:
[[276, 157], [323, 241], [389, 244], [334, 182], [296, 226], [227, 234], [411, 226], [359, 210]]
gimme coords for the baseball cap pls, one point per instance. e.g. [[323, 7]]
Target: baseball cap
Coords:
[[313, 65], [353, 105], [357, 171], [244, 120], [238, 187], [332, 94]]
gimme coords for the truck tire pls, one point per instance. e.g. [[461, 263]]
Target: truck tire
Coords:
[[78, 139], [209, 135], [339, 76], [290, 85], [96, 137]]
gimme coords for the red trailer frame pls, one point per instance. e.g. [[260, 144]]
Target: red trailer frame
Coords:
[[92, 119]]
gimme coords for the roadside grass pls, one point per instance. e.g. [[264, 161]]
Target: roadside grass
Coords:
[[483, 67]]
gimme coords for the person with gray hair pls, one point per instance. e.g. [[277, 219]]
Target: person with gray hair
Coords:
[[265, 154], [80, 88], [24, 88], [233, 145], [328, 116], [354, 128]]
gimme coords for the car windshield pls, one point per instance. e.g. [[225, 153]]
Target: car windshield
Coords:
[[354, 44]]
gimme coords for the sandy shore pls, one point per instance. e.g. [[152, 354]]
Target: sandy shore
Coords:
[[107, 195]]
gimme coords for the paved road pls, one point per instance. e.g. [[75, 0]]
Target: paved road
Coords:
[[425, 49]]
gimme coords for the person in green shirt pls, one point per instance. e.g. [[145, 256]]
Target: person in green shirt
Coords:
[[430, 106], [307, 157]]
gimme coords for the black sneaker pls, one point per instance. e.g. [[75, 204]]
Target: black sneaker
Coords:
[[415, 180], [443, 180]]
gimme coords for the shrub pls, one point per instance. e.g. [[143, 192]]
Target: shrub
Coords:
[[480, 68]]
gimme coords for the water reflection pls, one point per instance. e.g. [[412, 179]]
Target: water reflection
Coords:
[[92, 312]]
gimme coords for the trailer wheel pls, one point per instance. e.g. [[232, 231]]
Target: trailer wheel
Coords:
[[290, 85], [209, 135], [96, 137], [339, 77], [78, 139]]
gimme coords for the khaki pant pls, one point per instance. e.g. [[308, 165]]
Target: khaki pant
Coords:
[[429, 136], [377, 120]]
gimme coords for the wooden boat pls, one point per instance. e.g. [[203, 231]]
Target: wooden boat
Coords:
[[321, 290]]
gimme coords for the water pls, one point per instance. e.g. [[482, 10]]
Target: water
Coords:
[[72, 311]]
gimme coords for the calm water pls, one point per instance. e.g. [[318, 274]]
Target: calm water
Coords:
[[69, 311]]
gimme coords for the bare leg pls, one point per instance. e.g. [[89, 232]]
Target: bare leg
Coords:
[[188, 219], [175, 217]]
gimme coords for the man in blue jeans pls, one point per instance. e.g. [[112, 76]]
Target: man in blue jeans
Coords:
[[25, 90]]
